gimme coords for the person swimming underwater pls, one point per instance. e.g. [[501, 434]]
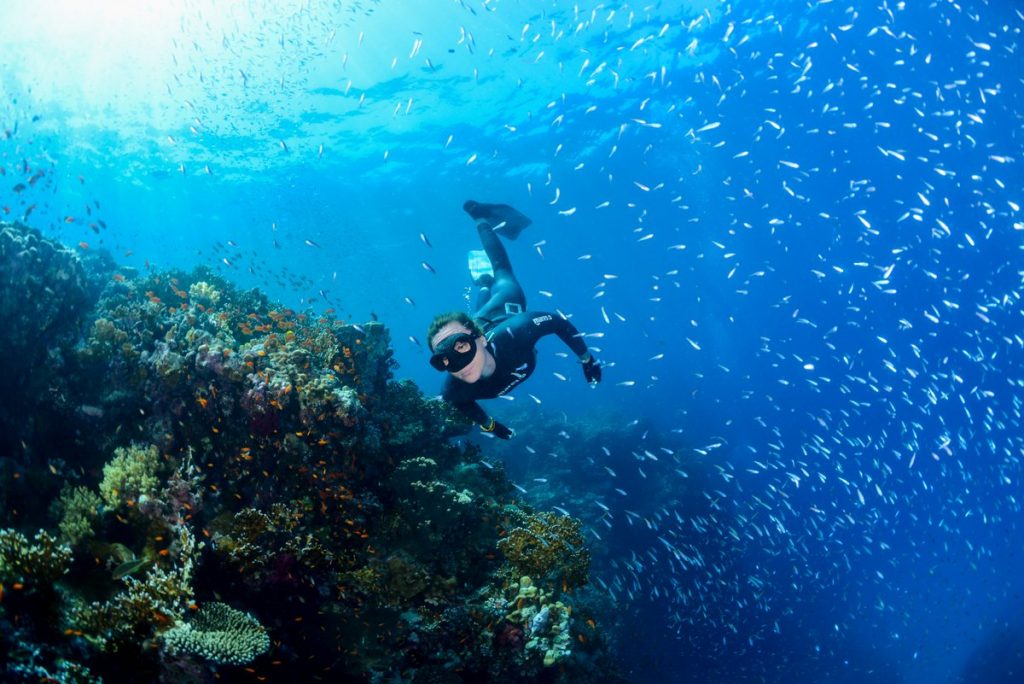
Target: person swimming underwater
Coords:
[[492, 352]]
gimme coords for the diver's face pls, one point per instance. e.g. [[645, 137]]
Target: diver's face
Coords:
[[472, 372]]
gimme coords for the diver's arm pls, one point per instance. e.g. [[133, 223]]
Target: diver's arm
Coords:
[[542, 323], [474, 412], [546, 324]]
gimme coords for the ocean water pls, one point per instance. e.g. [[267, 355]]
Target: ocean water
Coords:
[[791, 232]]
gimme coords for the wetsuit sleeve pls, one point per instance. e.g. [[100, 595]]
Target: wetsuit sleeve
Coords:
[[456, 395], [538, 324], [473, 411]]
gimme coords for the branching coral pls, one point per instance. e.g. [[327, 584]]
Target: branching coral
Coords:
[[220, 634], [548, 546], [79, 511], [156, 601], [130, 475], [40, 563]]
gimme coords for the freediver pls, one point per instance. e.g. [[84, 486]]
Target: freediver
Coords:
[[490, 353]]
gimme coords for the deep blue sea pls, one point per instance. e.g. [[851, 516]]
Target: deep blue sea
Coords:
[[791, 232]]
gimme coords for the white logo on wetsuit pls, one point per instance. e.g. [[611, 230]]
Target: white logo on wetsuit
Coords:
[[541, 319]]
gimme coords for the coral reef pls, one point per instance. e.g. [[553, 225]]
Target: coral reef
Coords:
[[221, 450], [141, 606]]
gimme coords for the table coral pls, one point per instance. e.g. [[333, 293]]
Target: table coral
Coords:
[[219, 633]]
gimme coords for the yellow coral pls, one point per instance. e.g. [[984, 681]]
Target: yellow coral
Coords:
[[79, 511], [130, 475], [43, 561], [548, 546], [202, 292]]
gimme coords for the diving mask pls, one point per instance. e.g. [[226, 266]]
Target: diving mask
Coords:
[[454, 352]]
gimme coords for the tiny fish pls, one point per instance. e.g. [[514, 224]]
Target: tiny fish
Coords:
[[427, 266]]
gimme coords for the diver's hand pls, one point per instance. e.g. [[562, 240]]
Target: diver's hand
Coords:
[[498, 430], [591, 369]]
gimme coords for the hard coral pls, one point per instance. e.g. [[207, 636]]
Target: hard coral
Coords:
[[545, 622], [548, 546], [155, 602], [79, 511], [130, 475], [220, 634], [40, 563], [202, 292]]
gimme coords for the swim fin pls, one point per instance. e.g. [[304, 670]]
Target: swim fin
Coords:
[[480, 268], [507, 221]]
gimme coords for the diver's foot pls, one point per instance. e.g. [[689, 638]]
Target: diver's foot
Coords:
[[504, 220]]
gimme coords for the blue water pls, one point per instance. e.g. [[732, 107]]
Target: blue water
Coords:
[[791, 231]]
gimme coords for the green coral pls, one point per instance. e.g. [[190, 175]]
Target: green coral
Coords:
[[41, 562], [548, 546], [79, 511], [130, 475], [220, 634]]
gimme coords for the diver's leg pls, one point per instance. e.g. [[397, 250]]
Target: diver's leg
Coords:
[[483, 295], [506, 288]]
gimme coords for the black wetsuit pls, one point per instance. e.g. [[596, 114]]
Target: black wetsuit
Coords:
[[511, 341], [511, 334]]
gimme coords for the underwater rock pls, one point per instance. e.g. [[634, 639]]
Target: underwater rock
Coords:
[[44, 298]]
